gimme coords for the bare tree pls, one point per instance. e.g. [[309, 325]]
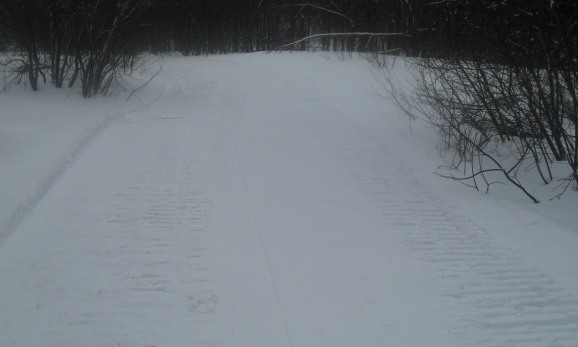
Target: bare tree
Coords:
[[105, 48]]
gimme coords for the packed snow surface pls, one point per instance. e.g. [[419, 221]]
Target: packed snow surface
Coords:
[[264, 200]]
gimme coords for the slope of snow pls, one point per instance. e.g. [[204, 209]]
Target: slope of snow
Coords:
[[265, 200], [41, 134]]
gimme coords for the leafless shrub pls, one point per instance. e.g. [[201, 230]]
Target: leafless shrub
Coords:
[[504, 97], [88, 41]]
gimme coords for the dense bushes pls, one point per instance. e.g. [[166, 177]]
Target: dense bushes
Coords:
[[505, 96], [88, 40]]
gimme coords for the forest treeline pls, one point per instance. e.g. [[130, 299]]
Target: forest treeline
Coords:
[[93, 41], [89, 40], [209, 26]]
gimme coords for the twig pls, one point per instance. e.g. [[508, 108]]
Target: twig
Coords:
[[143, 86]]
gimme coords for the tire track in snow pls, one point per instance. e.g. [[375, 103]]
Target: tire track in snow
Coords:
[[510, 303], [367, 263], [166, 206], [165, 213]]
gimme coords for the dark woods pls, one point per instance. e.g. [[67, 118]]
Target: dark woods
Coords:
[[71, 39], [92, 42], [222, 26]]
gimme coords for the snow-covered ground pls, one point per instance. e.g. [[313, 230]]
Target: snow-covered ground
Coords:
[[264, 200]]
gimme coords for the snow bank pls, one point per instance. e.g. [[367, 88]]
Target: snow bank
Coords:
[[42, 133]]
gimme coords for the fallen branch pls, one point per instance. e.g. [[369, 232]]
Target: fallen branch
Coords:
[[345, 35], [144, 85]]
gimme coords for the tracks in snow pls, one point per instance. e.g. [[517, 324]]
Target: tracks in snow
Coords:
[[504, 301], [224, 219], [163, 215], [117, 253]]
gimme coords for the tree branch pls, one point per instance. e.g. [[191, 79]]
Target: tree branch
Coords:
[[346, 35]]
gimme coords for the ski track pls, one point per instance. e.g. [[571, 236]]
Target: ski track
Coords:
[[241, 223]]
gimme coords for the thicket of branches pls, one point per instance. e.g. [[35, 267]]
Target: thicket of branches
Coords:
[[504, 97], [58, 41]]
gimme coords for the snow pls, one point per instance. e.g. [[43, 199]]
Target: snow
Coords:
[[264, 200], [40, 135]]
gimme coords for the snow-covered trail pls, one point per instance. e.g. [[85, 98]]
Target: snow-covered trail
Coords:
[[252, 205]]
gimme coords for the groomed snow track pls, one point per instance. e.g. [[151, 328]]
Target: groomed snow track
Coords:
[[252, 205]]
